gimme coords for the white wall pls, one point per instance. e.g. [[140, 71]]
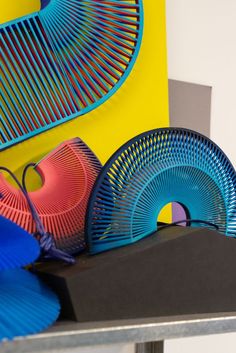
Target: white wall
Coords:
[[201, 37], [205, 344]]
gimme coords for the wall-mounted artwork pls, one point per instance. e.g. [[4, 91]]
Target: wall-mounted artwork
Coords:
[[64, 61], [140, 102]]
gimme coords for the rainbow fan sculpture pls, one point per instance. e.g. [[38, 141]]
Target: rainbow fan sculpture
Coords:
[[152, 170], [68, 174], [64, 61]]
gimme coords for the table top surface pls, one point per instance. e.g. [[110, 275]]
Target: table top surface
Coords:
[[68, 335]]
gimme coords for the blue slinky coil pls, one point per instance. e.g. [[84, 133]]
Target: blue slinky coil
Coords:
[[148, 172], [17, 247], [64, 61], [27, 306]]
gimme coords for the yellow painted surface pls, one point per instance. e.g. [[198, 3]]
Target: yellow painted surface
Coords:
[[140, 104], [165, 214], [12, 9]]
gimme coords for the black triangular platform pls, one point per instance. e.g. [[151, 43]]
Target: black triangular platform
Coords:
[[178, 271]]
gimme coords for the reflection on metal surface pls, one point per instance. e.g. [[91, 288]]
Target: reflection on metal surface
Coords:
[[69, 335]]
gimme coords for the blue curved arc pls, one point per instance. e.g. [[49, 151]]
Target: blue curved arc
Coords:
[[118, 213]]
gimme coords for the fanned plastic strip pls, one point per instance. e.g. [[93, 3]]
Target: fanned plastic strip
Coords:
[[17, 247], [64, 61], [27, 306], [68, 174], [152, 170]]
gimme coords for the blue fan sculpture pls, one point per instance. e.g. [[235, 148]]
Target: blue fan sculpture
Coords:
[[27, 306], [152, 170], [64, 61], [17, 247]]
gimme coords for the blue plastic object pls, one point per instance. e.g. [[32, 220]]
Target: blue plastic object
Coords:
[[148, 172], [27, 306], [64, 61], [17, 247]]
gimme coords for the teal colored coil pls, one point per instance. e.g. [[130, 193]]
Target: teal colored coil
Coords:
[[64, 61], [152, 170]]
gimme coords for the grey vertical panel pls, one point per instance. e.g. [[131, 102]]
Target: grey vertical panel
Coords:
[[190, 106]]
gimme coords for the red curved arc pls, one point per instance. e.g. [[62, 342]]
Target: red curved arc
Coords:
[[68, 175], [55, 181]]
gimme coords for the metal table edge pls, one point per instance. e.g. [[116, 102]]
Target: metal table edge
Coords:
[[71, 335]]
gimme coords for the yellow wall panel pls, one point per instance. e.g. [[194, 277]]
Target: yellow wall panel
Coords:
[[12, 9], [140, 104]]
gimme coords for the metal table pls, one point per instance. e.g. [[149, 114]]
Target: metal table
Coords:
[[147, 334]]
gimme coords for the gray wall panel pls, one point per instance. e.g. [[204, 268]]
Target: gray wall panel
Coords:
[[190, 106]]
